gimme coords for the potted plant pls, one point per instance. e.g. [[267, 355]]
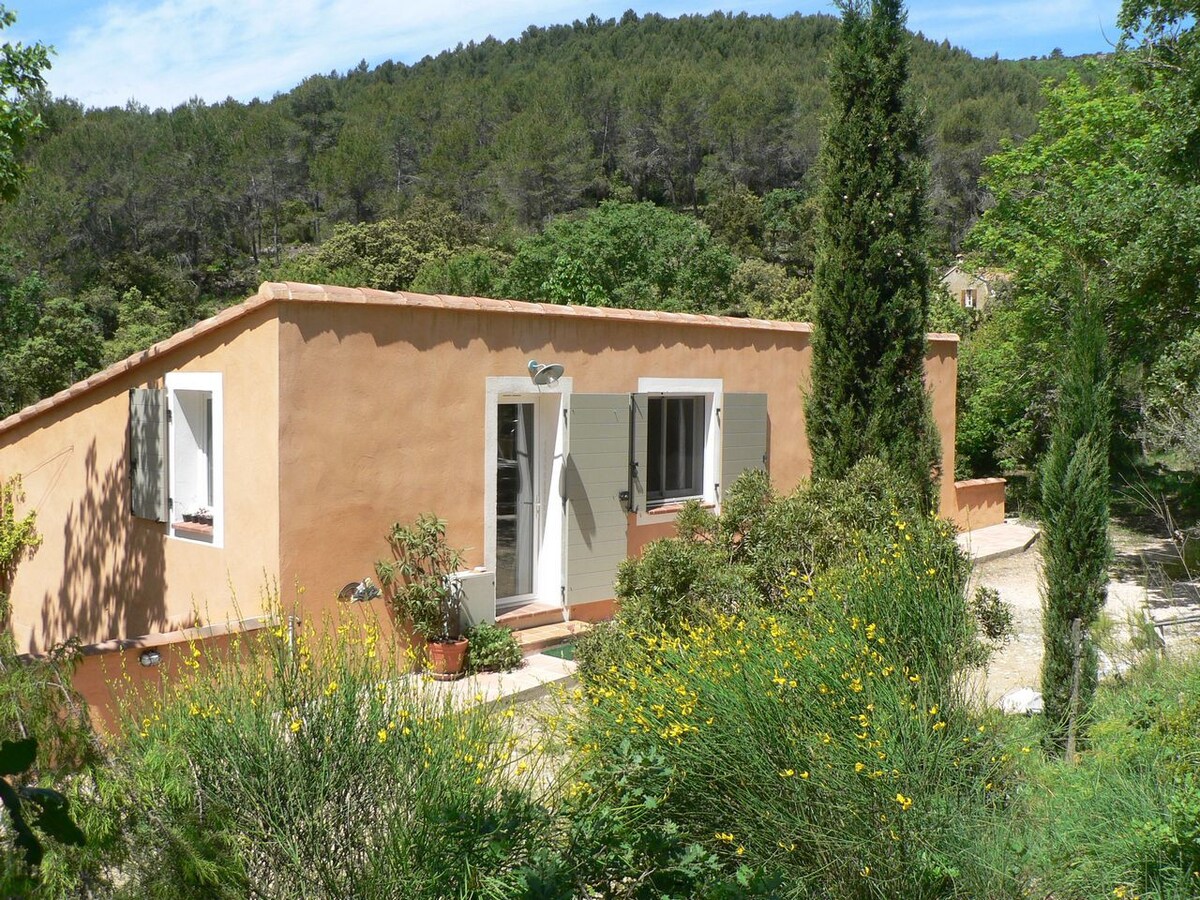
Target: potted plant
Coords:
[[419, 587]]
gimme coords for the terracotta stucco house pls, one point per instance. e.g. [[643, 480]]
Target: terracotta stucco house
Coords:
[[275, 442]]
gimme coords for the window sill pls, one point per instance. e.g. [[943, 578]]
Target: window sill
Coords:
[[192, 530], [673, 507]]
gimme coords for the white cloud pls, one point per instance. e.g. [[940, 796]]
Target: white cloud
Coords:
[[1038, 25], [165, 53]]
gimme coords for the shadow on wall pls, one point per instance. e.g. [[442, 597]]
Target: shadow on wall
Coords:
[[113, 569]]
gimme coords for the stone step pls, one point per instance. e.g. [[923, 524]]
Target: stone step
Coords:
[[538, 638], [531, 615]]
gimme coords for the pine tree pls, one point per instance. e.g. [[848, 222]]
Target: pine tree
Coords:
[[870, 284], [1075, 545]]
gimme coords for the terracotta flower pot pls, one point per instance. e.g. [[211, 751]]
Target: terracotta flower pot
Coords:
[[448, 660]]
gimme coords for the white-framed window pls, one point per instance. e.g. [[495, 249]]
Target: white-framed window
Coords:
[[682, 440], [196, 456], [968, 298]]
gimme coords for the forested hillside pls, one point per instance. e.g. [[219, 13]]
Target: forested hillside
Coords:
[[133, 223]]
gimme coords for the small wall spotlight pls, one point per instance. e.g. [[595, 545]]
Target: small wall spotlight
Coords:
[[149, 658]]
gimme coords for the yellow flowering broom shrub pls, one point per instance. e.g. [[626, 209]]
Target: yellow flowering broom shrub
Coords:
[[299, 766], [805, 745]]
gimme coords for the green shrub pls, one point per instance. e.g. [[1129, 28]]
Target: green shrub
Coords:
[[677, 581], [802, 750], [492, 648], [311, 770], [1124, 821]]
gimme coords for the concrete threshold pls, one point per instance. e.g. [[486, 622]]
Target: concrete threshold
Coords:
[[997, 541]]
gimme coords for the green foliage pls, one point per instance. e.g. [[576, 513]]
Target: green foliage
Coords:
[[64, 348], [18, 536], [766, 291], [140, 323], [1005, 381], [995, 617], [1075, 547], [416, 579], [1123, 821], [492, 649], [50, 810], [870, 283], [21, 83], [306, 768], [1171, 404], [618, 841], [675, 582], [638, 256], [386, 255], [713, 116], [770, 551], [803, 750], [948, 315], [473, 272], [1105, 186]]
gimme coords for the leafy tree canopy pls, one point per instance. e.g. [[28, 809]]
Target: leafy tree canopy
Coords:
[[634, 255]]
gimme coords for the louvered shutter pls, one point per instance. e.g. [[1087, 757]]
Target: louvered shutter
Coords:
[[149, 495], [743, 436], [597, 472]]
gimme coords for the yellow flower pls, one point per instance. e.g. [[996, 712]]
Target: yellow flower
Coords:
[[295, 726], [933, 710], [905, 802], [740, 850], [858, 767], [724, 836], [787, 773], [914, 678], [382, 735], [864, 871]]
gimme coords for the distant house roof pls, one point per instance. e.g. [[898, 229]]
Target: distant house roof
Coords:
[[276, 292]]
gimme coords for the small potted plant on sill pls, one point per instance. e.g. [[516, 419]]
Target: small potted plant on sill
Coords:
[[418, 585]]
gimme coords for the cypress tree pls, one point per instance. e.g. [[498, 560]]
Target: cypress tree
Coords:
[[1075, 546], [871, 279]]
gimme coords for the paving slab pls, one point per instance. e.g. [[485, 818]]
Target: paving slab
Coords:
[[997, 541], [532, 680]]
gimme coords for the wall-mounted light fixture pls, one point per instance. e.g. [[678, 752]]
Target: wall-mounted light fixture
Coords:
[[544, 373], [149, 658]]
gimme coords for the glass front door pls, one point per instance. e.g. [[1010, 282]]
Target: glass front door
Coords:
[[516, 500]]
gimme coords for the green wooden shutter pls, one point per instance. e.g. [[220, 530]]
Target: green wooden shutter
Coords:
[[149, 495], [743, 436], [639, 407], [597, 472]]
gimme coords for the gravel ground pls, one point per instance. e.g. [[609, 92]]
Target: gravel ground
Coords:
[[1145, 581]]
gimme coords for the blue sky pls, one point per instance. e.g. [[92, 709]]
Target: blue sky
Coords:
[[163, 52]]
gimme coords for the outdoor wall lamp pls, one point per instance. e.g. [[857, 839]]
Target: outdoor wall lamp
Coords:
[[544, 373], [149, 658]]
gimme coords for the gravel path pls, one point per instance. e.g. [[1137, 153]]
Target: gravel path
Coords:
[[1137, 587]]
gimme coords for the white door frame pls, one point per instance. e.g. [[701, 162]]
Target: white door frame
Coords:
[[549, 457]]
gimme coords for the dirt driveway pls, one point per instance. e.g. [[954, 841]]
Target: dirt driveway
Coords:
[[1147, 579]]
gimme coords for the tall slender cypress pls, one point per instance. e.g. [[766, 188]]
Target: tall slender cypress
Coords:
[[1075, 547], [871, 279]]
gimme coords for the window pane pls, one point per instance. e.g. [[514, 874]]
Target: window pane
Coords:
[[675, 444]]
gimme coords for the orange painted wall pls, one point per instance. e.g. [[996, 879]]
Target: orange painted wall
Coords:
[[980, 503], [941, 380], [101, 573], [382, 413]]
